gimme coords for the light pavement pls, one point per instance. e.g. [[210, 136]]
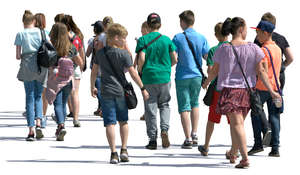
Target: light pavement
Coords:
[[85, 150]]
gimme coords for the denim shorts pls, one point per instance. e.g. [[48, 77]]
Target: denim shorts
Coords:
[[113, 110], [187, 91]]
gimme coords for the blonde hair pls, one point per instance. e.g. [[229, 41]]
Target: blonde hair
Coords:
[[60, 39], [107, 21], [28, 17], [116, 30]]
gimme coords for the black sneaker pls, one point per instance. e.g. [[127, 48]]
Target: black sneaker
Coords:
[[267, 138], [274, 153], [30, 137], [124, 155], [39, 133], [114, 158], [152, 145], [255, 149], [187, 144], [60, 133], [70, 115]]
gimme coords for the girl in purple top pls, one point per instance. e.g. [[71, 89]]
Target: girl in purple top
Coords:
[[234, 100]]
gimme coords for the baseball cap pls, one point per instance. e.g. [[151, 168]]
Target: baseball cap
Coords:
[[153, 18], [98, 26], [265, 26]]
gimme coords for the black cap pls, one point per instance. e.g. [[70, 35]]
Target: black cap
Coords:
[[98, 27], [153, 18]]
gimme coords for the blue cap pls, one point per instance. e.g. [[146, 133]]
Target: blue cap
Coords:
[[265, 26]]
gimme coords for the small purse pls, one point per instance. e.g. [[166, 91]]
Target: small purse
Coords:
[[209, 93]]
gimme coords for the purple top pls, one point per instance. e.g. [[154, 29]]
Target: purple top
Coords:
[[230, 74]]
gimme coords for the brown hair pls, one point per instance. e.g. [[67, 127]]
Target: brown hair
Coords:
[[116, 30], [269, 17], [71, 26], [40, 20], [59, 17], [145, 25], [231, 26], [28, 17], [107, 20], [60, 39], [187, 17]]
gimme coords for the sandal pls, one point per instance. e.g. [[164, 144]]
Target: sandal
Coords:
[[243, 164], [203, 151], [231, 157]]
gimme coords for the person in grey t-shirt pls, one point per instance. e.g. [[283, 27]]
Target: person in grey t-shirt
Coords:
[[114, 106]]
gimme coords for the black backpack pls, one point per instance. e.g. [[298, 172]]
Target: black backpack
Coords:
[[46, 56]]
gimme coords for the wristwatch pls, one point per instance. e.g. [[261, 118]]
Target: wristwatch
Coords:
[[143, 88]]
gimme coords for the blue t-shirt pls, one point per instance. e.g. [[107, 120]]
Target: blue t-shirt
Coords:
[[186, 66], [29, 39]]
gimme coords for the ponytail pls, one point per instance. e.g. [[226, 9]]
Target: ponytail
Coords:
[[231, 26], [28, 17]]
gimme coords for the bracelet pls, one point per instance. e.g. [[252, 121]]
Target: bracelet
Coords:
[[143, 88]]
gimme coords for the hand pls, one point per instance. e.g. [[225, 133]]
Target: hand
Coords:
[[145, 94], [94, 92], [205, 84], [275, 95]]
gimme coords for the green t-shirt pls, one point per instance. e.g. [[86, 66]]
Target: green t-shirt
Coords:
[[211, 53], [157, 66]]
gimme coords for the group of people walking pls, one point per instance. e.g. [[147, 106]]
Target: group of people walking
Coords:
[[232, 67]]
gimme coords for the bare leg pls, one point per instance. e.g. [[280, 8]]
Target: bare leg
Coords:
[[110, 135], [238, 132], [195, 119], [185, 121], [209, 130], [124, 134], [45, 102]]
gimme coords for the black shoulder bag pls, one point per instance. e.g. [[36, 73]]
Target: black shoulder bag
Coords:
[[46, 55], [204, 77], [129, 93], [281, 109], [255, 102]]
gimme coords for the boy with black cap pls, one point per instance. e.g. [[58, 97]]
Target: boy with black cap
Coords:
[[95, 44], [272, 63], [156, 57]]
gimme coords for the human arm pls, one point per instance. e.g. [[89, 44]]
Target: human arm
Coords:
[[78, 61], [262, 74], [89, 50], [138, 81], [288, 57], [141, 61], [174, 58], [18, 52], [211, 75], [94, 74]]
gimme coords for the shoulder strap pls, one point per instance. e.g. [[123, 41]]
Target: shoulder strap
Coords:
[[43, 35], [237, 58], [194, 54], [274, 73], [145, 47], [122, 79]]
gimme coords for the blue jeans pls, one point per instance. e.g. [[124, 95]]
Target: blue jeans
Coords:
[[60, 102], [33, 90], [274, 120], [98, 85], [113, 110]]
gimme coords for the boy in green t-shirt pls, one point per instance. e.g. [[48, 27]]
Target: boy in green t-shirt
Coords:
[[155, 62]]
